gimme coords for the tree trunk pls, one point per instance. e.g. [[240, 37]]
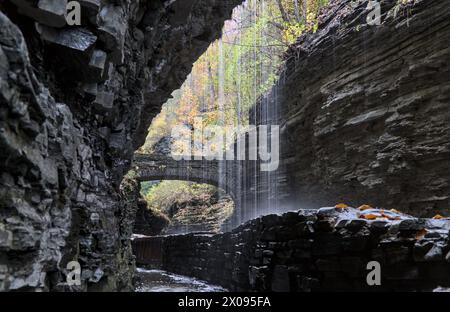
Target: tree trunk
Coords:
[[297, 10], [282, 11], [212, 91]]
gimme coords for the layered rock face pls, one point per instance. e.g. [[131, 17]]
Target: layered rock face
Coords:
[[364, 117], [364, 111], [75, 103], [326, 250], [147, 222], [202, 213]]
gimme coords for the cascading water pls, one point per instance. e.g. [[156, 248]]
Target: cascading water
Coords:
[[232, 86]]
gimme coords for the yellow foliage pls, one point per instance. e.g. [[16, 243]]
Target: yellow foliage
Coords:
[[238, 68], [292, 31]]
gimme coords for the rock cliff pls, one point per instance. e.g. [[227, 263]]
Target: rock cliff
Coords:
[[75, 104], [364, 111]]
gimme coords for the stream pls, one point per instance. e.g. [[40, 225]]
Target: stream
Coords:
[[162, 281]]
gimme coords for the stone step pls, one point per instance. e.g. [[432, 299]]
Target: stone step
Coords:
[[75, 38]]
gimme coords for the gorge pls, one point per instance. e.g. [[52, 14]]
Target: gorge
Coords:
[[364, 119]]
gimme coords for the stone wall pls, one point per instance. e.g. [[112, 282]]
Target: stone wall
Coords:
[[325, 250], [75, 104]]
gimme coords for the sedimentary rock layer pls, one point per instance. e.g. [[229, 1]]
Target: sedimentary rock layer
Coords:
[[364, 111], [75, 104]]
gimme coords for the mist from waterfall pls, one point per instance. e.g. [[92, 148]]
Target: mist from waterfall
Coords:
[[233, 85]]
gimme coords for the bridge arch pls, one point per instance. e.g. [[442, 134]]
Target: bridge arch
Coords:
[[221, 174], [242, 180]]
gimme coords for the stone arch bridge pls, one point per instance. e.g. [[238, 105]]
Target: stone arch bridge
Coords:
[[242, 180], [163, 167]]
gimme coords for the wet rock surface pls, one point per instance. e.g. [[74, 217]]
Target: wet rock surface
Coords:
[[363, 117], [324, 250], [161, 281], [75, 104], [364, 111], [369, 123]]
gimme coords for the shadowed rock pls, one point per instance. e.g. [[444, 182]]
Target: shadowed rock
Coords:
[[48, 12], [63, 159]]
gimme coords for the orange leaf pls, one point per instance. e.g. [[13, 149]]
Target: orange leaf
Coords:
[[364, 207], [368, 216], [421, 233], [341, 206], [438, 217]]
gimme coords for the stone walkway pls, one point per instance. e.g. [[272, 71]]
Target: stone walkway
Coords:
[[162, 281]]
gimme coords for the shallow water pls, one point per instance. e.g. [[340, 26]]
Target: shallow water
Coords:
[[162, 281]]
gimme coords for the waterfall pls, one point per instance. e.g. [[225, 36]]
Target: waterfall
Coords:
[[241, 174], [231, 85]]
